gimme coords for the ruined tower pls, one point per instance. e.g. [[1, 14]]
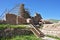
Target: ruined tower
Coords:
[[37, 17], [23, 12]]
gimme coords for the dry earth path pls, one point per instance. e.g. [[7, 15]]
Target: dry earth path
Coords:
[[48, 38]]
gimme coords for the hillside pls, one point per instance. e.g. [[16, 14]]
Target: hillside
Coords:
[[54, 20]]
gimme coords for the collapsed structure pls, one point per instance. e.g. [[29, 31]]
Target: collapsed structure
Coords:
[[21, 19], [25, 18], [24, 15]]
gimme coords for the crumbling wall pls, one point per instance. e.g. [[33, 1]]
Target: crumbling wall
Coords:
[[23, 12], [10, 32], [21, 20], [11, 18]]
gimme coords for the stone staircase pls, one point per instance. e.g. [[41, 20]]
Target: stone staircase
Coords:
[[36, 31]]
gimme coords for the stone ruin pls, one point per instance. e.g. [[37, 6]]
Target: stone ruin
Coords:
[[24, 15]]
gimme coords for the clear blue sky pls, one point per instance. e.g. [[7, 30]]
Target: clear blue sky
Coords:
[[49, 9]]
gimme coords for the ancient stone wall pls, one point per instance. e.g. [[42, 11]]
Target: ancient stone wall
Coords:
[[11, 18], [21, 20], [10, 32], [24, 14], [37, 17]]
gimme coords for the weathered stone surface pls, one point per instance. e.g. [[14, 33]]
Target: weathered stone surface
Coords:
[[51, 29], [9, 32], [23, 12], [37, 17], [11, 19]]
